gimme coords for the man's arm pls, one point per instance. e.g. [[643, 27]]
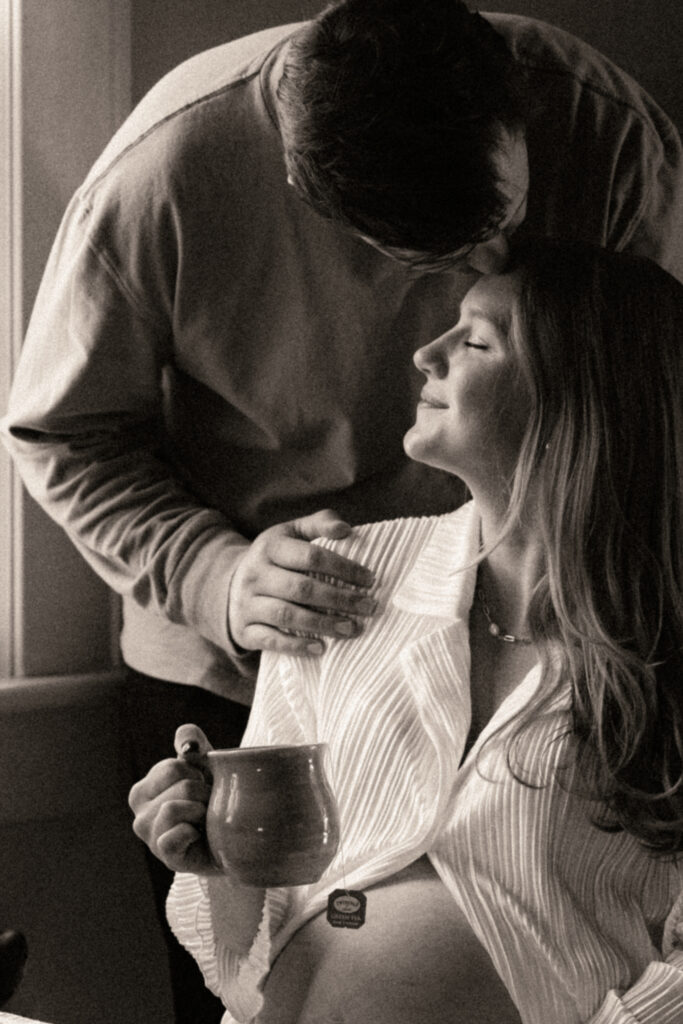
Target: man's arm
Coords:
[[85, 428]]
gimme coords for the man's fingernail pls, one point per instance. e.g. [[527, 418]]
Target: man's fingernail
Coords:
[[315, 648], [189, 747], [345, 628], [367, 606]]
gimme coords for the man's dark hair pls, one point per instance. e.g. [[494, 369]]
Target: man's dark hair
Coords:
[[392, 111]]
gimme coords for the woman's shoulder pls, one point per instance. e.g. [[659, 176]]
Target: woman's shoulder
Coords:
[[391, 546]]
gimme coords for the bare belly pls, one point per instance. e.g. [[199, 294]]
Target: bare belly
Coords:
[[415, 961]]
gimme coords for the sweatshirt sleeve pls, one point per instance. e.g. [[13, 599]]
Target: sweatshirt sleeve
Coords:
[[657, 995], [84, 427]]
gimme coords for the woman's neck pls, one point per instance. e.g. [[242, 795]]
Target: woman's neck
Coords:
[[509, 574]]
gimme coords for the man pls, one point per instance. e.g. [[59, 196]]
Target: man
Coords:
[[221, 347]]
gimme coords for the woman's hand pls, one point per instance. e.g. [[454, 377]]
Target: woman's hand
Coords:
[[288, 594], [170, 806]]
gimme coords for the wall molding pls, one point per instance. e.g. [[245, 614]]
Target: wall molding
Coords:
[[45, 692]]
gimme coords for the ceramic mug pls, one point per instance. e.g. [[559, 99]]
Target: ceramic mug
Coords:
[[272, 818]]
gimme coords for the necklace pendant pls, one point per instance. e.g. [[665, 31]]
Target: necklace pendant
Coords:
[[494, 628]]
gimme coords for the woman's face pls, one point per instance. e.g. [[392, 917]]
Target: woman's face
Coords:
[[473, 408]]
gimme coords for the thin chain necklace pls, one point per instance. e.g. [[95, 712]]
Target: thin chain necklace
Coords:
[[494, 629]]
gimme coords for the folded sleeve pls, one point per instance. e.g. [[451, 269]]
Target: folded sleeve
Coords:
[[229, 929], [657, 996]]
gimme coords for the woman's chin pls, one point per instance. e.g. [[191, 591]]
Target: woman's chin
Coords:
[[419, 449], [412, 445]]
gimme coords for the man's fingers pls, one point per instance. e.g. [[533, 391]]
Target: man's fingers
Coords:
[[265, 638], [300, 556], [324, 523], [286, 585], [297, 589]]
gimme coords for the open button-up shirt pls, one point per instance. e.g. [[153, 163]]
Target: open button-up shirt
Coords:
[[583, 926]]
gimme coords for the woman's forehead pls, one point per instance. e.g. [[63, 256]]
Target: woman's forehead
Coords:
[[493, 297]]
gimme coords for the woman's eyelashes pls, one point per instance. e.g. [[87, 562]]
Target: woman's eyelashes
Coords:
[[476, 344]]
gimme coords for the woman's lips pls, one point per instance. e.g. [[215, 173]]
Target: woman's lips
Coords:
[[430, 401]]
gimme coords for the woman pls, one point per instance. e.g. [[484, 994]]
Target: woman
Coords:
[[506, 739]]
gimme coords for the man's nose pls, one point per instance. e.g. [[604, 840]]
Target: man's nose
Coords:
[[490, 256]]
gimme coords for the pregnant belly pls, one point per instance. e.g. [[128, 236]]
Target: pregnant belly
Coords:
[[415, 961]]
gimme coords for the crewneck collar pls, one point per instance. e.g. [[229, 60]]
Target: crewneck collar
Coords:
[[271, 72]]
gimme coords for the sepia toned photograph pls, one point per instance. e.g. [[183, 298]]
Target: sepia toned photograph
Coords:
[[341, 512]]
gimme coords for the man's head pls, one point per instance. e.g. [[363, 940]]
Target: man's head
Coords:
[[405, 121]]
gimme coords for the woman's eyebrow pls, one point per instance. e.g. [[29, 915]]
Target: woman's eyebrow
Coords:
[[501, 321]]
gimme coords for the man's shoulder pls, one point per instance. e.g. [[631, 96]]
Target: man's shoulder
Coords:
[[186, 103], [210, 73], [538, 43], [560, 65]]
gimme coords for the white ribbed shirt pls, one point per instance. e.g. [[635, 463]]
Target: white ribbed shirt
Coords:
[[583, 926]]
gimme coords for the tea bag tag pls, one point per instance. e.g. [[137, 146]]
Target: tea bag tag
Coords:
[[346, 908]]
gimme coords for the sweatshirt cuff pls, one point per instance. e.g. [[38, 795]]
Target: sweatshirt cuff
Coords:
[[205, 588]]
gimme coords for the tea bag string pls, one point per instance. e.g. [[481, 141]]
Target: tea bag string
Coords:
[[342, 855], [342, 858]]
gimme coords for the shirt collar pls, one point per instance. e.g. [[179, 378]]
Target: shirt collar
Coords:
[[441, 582], [271, 71]]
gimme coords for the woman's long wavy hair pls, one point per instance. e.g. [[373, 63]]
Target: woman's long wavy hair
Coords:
[[599, 341]]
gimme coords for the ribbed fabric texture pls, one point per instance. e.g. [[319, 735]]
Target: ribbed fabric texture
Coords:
[[572, 917]]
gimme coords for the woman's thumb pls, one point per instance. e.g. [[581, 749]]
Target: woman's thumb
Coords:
[[190, 743]]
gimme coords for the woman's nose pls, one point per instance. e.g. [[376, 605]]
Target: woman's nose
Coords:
[[430, 358], [490, 256]]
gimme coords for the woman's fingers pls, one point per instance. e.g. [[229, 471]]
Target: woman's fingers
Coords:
[[160, 779], [169, 805], [182, 848], [190, 738]]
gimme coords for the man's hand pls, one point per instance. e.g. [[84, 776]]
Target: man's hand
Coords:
[[277, 591], [170, 807]]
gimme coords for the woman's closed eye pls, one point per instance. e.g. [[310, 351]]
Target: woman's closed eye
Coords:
[[476, 344]]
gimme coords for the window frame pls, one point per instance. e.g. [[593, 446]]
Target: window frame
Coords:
[[56, 116]]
